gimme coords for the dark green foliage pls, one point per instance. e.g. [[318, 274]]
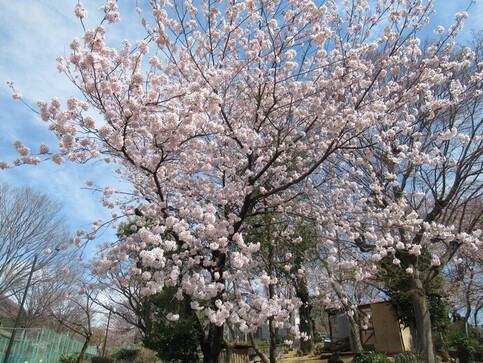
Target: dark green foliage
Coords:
[[464, 346], [407, 357], [69, 358], [124, 354], [396, 285], [103, 360], [173, 341], [141, 355], [372, 358]]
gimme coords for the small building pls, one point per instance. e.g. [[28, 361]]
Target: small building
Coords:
[[380, 330]]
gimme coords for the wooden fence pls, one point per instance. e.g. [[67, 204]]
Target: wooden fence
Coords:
[[235, 358]]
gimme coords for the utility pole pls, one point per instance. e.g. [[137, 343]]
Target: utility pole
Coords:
[[107, 331], [17, 321]]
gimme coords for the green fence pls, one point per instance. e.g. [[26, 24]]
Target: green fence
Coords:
[[39, 346]]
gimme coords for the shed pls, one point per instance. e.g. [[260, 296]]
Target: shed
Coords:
[[382, 331]]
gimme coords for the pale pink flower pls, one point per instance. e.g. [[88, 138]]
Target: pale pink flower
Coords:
[[57, 158], [75, 44], [43, 149], [80, 11]]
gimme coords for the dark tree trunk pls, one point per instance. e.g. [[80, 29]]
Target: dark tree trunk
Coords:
[[84, 347], [273, 341], [424, 339], [211, 346]]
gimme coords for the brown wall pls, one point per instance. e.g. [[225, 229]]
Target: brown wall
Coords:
[[388, 337]]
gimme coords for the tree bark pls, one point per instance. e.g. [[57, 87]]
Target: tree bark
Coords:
[[84, 348], [229, 345], [211, 347], [273, 341], [424, 339]]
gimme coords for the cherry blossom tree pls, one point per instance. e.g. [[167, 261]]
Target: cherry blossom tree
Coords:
[[230, 110], [422, 177]]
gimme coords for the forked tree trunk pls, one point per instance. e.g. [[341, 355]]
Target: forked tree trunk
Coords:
[[355, 337], [84, 348], [424, 339], [211, 342]]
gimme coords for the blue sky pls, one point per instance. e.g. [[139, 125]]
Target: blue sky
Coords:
[[32, 34]]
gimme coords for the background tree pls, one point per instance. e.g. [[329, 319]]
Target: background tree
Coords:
[[77, 313], [31, 224], [395, 285], [275, 236], [51, 284]]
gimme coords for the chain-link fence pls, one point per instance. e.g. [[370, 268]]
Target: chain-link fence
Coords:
[[39, 346]]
